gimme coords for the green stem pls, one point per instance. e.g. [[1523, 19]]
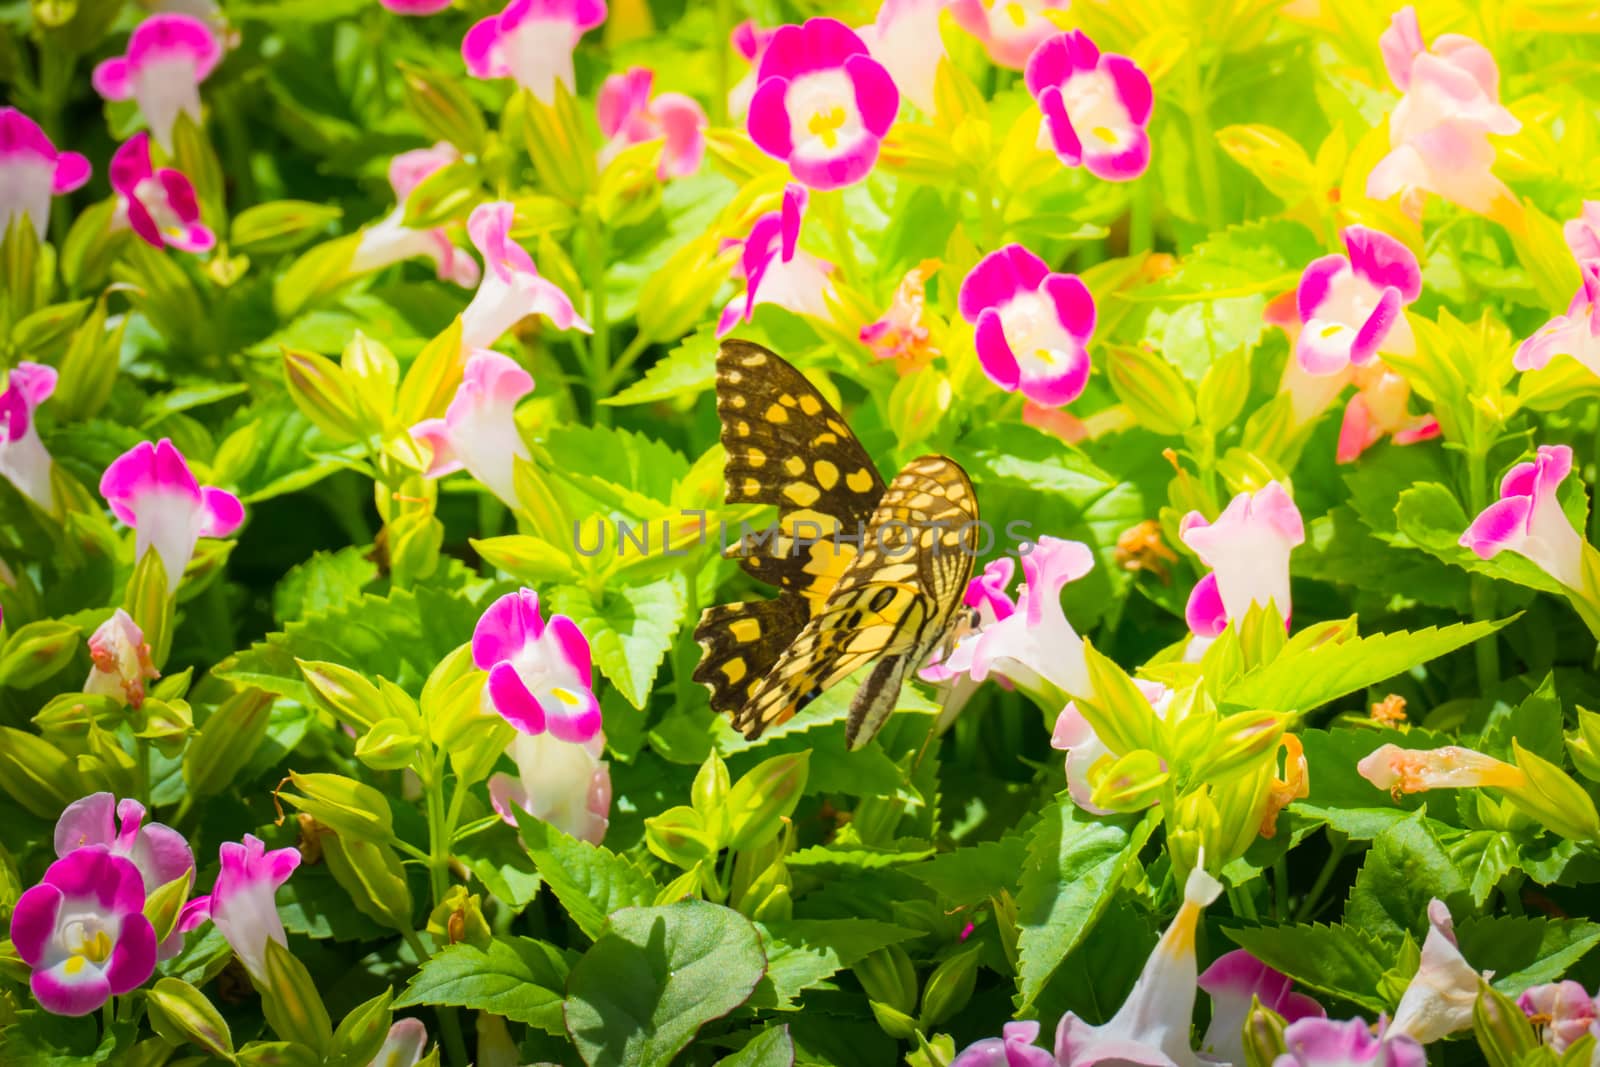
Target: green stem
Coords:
[[600, 343], [1141, 224], [1205, 144], [724, 83], [1308, 906], [108, 1014], [619, 370], [438, 835], [1485, 652], [1280, 887]]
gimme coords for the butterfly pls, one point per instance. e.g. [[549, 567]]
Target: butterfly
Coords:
[[865, 571]]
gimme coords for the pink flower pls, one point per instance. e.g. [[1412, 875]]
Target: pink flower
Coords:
[[902, 333], [1439, 1000], [1576, 333], [511, 289], [1233, 983], [168, 57], [416, 7], [822, 103], [151, 488], [1381, 408], [1315, 1042], [479, 430], [1035, 642], [774, 269], [1528, 520], [243, 902], [1351, 306], [160, 205], [1403, 770], [158, 851], [1009, 29], [564, 783], [23, 459], [1076, 737], [1563, 1012], [1247, 549], [1096, 107], [1014, 1048], [1583, 234], [540, 676], [32, 171], [1033, 326], [121, 659], [749, 40], [390, 241], [83, 932], [407, 1039], [628, 116], [1439, 132], [531, 41], [905, 39]]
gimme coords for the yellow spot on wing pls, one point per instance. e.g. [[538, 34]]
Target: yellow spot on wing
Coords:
[[859, 481], [827, 474], [775, 413], [745, 630], [802, 493]]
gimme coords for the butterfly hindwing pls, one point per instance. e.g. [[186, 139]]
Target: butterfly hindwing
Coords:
[[740, 643]]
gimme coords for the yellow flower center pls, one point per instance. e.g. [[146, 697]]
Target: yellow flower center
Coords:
[[90, 948], [567, 697], [1104, 134], [1018, 14], [825, 124]]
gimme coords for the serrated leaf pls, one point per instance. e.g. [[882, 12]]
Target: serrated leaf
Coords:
[[974, 873], [688, 370], [1341, 961], [630, 629], [591, 881], [517, 977], [773, 1047], [804, 952], [1524, 951], [1405, 868]]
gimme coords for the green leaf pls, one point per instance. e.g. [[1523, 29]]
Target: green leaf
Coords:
[[974, 873], [657, 975], [1535, 724], [1340, 797], [630, 629], [1433, 519], [1404, 869], [517, 977], [1524, 951], [1031, 459], [801, 953], [688, 370], [325, 581], [590, 881], [1341, 961], [773, 1047]]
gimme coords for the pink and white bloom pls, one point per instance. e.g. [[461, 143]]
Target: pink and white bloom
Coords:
[[32, 171], [1034, 643], [905, 38], [1152, 1026], [1405, 770], [415, 7], [564, 783], [83, 931], [1009, 29], [902, 334], [511, 289], [749, 40], [775, 270], [121, 659], [1351, 306], [390, 240], [160, 853], [159, 204], [243, 902], [403, 1045], [479, 430], [1033, 326], [168, 57], [24, 462], [531, 41], [822, 104], [1528, 520], [1583, 234], [1439, 132], [1381, 408], [1576, 333], [1316, 1042], [1096, 106], [628, 116], [1247, 549], [540, 675], [151, 488], [1233, 983], [1439, 1000], [1014, 1048], [1075, 736], [1562, 1011]]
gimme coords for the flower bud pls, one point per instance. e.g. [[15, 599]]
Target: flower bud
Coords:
[[1503, 1031], [372, 875], [1152, 389], [37, 651], [322, 392], [679, 836], [443, 107], [388, 746], [227, 741], [290, 1001], [344, 805], [344, 693], [758, 805], [709, 793], [374, 375], [1550, 795], [459, 919], [1263, 1036], [180, 1013], [1224, 390], [949, 988], [1585, 745], [1242, 739], [889, 979], [165, 723], [1131, 783]]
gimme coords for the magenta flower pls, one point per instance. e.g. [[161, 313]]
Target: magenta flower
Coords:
[[774, 269], [564, 783], [159, 205], [121, 659], [1439, 1000], [479, 430], [1314, 1042], [1096, 107], [1233, 982], [1575, 334], [407, 1039], [160, 853], [415, 7], [628, 116], [151, 488], [243, 902], [168, 57], [511, 289], [32, 171], [1564, 1012], [822, 104], [905, 38], [84, 933], [389, 240], [749, 40], [1380, 408], [1009, 29], [1247, 549], [1351, 306], [540, 676], [23, 459], [531, 41], [1014, 1048], [1583, 234], [1528, 520], [1074, 735], [1033, 326], [1035, 642]]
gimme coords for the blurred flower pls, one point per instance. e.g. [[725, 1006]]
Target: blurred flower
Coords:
[[628, 116], [1528, 520], [1141, 548], [160, 853], [564, 783], [121, 659], [774, 269], [1009, 29], [1575, 334], [1583, 234], [243, 902], [1351, 305], [1058, 422], [749, 40], [540, 676], [1390, 711], [905, 38], [1247, 549], [822, 104], [1033, 326], [1074, 735], [159, 205], [168, 57], [415, 7], [531, 41], [1381, 408], [1096, 107], [83, 931], [1015, 1048], [1406, 770], [902, 334], [407, 1039], [32, 171], [1439, 1000], [1233, 982], [151, 488], [511, 289], [1439, 131], [390, 240], [1314, 1042], [1563, 1012], [479, 430], [23, 459]]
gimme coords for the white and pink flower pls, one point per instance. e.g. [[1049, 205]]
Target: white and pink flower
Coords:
[[1316, 1042], [628, 116], [1528, 520], [822, 104], [168, 57], [403, 1045], [1563, 1011], [1074, 735], [1381, 408], [749, 40], [564, 783], [1096, 106], [1575, 334], [151, 488], [1247, 549], [774, 269], [1440, 998], [158, 204], [1013, 1048], [540, 674], [1033, 326], [1009, 29], [905, 38], [479, 430], [121, 662], [390, 240], [160, 853], [531, 41], [32, 171], [1583, 234], [24, 462], [1234, 982], [243, 902], [1352, 306], [1399, 771], [511, 289]]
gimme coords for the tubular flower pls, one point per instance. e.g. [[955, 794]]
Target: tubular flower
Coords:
[[628, 116], [1033, 326], [32, 171], [511, 289], [1009, 29], [531, 41], [1294, 785], [1528, 520], [1563, 1012], [1096, 107], [168, 57], [905, 38], [774, 269], [1315, 1042], [564, 783], [151, 488], [159, 204], [1035, 642], [749, 40], [1247, 549], [540, 676], [23, 459], [1405, 770], [1439, 1000], [1575, 334], [1233, 983], [479, 430], [902, 334], [243, 902], [158, 851], [1351, 305], [1381, 408], [1309, 394], [822, 104], [403, 1045], [390, 240], [1014, 1048], [83, 931], [1439, 131], [1076, 737], [121, 659], [987, 599]]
